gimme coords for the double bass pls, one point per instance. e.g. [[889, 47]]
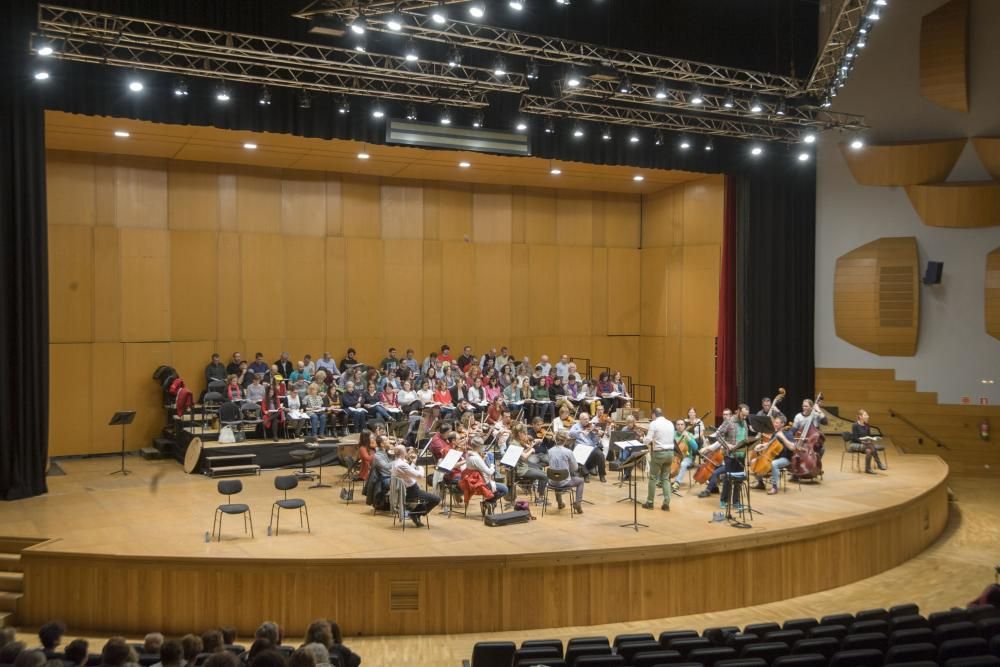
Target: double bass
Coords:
[[761, 464], [682, 446], [806, 463]]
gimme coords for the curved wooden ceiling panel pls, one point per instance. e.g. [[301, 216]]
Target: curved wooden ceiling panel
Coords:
[[993, 293], [971, 204], [906, 163], [988, 149]]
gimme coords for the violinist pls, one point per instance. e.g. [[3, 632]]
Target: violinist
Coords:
[[784, 456], [584, 432], [811, 415], [861, 442], [685, 448], [403, 469], [541, 434], [530, 465], [563, 423], [695, 426]]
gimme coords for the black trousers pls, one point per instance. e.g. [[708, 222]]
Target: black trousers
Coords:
[[733, 464], [425, 501]]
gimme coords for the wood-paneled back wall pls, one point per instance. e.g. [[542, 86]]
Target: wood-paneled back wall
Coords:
[[165, 261]]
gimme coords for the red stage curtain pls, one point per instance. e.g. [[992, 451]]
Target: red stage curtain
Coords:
[[725, 342]]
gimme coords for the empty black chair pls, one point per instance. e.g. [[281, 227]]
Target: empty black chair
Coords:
[[710, 656], [825, 646], [493, 654], [974, 661], [872, 615], [740, 662], [800, 660], [286, 483], [988, 627], [635, 637], [803, 624], [717, 635], [836, 631], [574, 641], [907, 621], [911, 636], [994, 645], [980, 611], [785, 636], [910, 652], [766, 650], [837, 619], [687, 644], [869, 626], [903, 610], [961, 648], [652, 658], [549, 643], [876, 640], [598, 661], [540, 654], [574, 651], [535, 662], [950, 616], [629, 649], [667, 635], [761, 629], [739, 640], [959, 630], [228, 488], [868, 657]]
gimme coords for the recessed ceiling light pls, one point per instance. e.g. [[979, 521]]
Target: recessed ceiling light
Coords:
[[857, 144], [809, 138], [638, 177], [464, 165], [803, 157], [555, 171], [41, 75], [756, 150], [135, 86], [522, 126], [122, 134], [45, 50], [250, 146], [363, 156]]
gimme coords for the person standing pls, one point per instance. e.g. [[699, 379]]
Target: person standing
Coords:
[[660, 439]]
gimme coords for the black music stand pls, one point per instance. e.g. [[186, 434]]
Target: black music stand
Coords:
[[633, 492], [122, 418], [311, 443]]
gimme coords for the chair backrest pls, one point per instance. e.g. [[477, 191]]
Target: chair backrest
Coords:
[[868, 657], [787, 636], [634, 637], [837, 619], [213, 399], [911, 652], [911, 636], [862, 640], [550, 643], [961, 648], [761, 629], [950, 616], [838, 631], [958, 630], [493, 654], [741, 639], [589, 641], [687, 644], [869, 626], [904, 609], [905, 621], [800, 660], [629, 649], [667, 635], [738, 662], [599, 661], [802, 624], [217, 386], [652, 658], [989, 627], [872, 615], [576, 651], [229, 412], [228, 487], [825, 646], [286, 483], [539, 653], [767, 650], [557, 475], [710, 656]]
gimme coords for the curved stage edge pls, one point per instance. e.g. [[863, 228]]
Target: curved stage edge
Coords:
[[619, 577]]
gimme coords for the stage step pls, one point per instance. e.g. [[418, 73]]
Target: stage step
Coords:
[[11, 582], [6, 618], [10, 562], [151, 453], [8, 601], [230, 457], [232, 471]]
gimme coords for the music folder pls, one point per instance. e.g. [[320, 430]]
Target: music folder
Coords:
[[512, 456], [450, 460], [122, 418], [582, 452], [761, 424]]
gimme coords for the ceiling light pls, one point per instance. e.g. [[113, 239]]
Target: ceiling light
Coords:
[[394, 21], [363, 156], [464, 165], [135, 85], [45, 50], [849, 54], [696, 96], [477, 10], [521, 125], [550, 126], [250, 146], [41, 75], [638, 178], [809, 138], [660, 92], [730, 101], [881, 3], [555, 171], [573, 78], [756, 151], [782, 108], [708, 145], [411, 112], [377, 111], [658, 138], [606, 133], [454, 56], [685, 143], [499, 69], [438, 15], [633, 138], [827, 102], [180, 88], [359, 25], [803, 157], [343, 105], [265, 97], [360, 46], [305, 100], [562, 2], [122, 134], [411, 52], [478, 119], [625, 85], [516, 5], [865, 28], [532, 73], [578, 130], [755, 104], [862, 41], [873, 15], [857, 144], [445, 117], [222, 93]]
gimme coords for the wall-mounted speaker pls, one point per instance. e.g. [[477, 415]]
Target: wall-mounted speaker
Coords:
[[932, 276]]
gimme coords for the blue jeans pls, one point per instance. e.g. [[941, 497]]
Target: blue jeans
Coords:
[[317, 423], [500, 492], [379, 412], [686, 463]]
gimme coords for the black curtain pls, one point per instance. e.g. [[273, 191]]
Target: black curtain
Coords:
[[24, 303], [776, 235]]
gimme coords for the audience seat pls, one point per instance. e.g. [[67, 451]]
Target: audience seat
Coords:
[[761, 629], [740, 662], [717, 635], [548, 643], [575, 641], [981, 611], [667, 635], [635, 637], [869, 626], [653, 658], [493, 654], [837, 619], [803, 624], [906, 621], [540, 654], [911, 636], [988, 627], [687, 644], [710, 656], [800, 660], [546, 662], [837, 631], [766, 650], [863, 640], [825, 646], [574, 651], [903, 610], [738, 641], [910, 652], [598, 661], [785, 636], [867, 657], [958, 630], [961, 648], [951, 616], [974, 661], [631, 648], [872, 615]]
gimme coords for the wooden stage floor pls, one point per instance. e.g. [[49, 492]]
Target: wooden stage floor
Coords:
[[151, 525]]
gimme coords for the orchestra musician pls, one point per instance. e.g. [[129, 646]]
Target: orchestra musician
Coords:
[[769, 410], [530, 464], [474, 461], [861, 429], [730, 434], [689, 439], [814, 415], [696, 427], [660, 439], [583, 432], [366, 452], [784, 457], [561, 458], [403, 469]]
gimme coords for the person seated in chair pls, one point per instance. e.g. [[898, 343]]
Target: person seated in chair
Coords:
[[583, 432], [272, 412], [784, 457], [474, 461], [687, 438], [300, 373], [215, 371], [407, 398], [233, 390], [422, 502], [313, 405], [373, 406], [389, 398], [255, 391], [562, 459], [353, 402], [861, 429], [544, 407], [442, 396]]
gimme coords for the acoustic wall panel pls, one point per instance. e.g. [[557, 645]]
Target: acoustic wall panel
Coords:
[[876, 297], [969, 204], [944, 55], [993, 293], [907, 163]]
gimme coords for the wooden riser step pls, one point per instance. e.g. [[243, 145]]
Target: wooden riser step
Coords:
[[6, 618], [10, 562], [8, 601], [11, 582], [232, 471]]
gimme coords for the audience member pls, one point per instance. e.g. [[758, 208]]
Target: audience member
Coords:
[[212, 641], [152, 643], [269, 658], [33, 658], [10, 651], [117, 652], [191, 645], [7, 635], [221, 658], [301, 658], [320, 653], [345, 656], [228, 635], [76, 653], [50, 635], [171, 654]]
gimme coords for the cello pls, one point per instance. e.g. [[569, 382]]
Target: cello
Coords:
[[806, 463], [761, 464], [682, 446], [710, 462]]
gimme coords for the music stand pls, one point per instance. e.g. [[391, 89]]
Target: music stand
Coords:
[[633, 492], [122, 418], [312, 443], [761, 424]]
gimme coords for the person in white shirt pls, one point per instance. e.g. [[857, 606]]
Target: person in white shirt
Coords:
[[407, 398], [425, 394], [403, 469], [562, 367], [660, 439], [544, 363], [474, 461], [328, 364]]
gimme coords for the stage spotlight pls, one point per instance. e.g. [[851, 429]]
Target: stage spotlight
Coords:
[[250, 146], [343, 105], [411, 112], [658, 138], [660, 92], [122, 134], [827, 102], [865, 28], [522, 125], [454, 56], [782, 108], [305, 100], [41, 75], [881, 3], [180, 88], [478, 119], [730, 101], [477, 10], [499, 69], [445, 117], [709, 146], [222, 93], [359, 25], [857, 143], [756, 151], [411, 52], [809, 138], [803, 157], [638, 178], [696, 96], [550, 126], [394, 21], [135, 83], [265, 97], [862, 41], [516, 5], [625, 85], [532, 72], [438, 14], [363, 156], [685, 143], [45, 50], [573, 77], [873, 15], [562, 2], [606, 133], [634, 137], [755, 104], [578, 130], [361, 46], [464, 165], [378, 111]]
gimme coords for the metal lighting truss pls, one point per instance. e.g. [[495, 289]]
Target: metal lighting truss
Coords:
[[352, 8], [849, 19], [152, 45]]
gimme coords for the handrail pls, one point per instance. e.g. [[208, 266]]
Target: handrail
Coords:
[[652, 395], [586, 373], [893, 413]]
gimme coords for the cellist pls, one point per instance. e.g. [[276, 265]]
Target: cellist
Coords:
[[685, 447], [784, 457]]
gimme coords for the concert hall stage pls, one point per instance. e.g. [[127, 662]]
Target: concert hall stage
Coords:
[[128, 554], [268, 454]]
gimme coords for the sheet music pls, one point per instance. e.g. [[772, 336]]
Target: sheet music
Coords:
[[582, 452], [449, 460], [628, 444], [512, 456]]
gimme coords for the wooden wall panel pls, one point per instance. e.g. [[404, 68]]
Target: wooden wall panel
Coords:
[[228, 200], [107, 285], [145, 284], [622, 221], [454, 212], [69, 405], [492, 285], [190, 359], [262, 288], [192, 196], [574, 218], [988, 150], [663, 218], [107, 396], [700, 296], [230, 302], [963, 205], [907, 163], [492, 219], [520, 284], [71, 283], [540, 298], [402, 303], [704, 201], [992, 293], [944, 55], [623, 292], [193, 285], [402, 212], [71, 194], [303, 286], [539, 216], [363, 288], [603, 286], [334, 206], [361, 205], [336, 287], [140, 193], [303, 203], [575, 291], [458, 294], [432, 292], [258, 200]]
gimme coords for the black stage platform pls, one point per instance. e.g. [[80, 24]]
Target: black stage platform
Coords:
[[269, 454]]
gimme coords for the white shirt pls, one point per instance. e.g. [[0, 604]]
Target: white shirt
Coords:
[[661, 434], [406, 472], [562, 370]]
